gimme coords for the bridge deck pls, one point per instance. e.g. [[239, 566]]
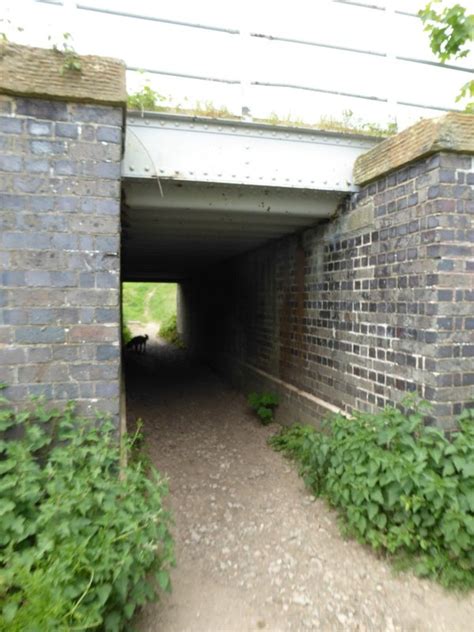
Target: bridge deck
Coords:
[[198, 149], [200, 190]]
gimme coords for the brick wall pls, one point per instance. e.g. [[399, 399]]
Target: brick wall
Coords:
[[358, 311], [59, 250]]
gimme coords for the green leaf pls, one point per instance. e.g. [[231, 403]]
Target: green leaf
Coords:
[[376, 496], [372, 509], [381, 521], [103, 591], [163, 580], [6, 506], [129, 609]]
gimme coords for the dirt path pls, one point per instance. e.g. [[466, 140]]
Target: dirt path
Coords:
[[254, 549]]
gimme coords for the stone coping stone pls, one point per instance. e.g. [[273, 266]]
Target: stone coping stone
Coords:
[[452, 132], [39, 72]]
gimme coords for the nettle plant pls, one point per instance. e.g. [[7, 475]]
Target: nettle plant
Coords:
[[84, 540], [263, 404], [401, 486]]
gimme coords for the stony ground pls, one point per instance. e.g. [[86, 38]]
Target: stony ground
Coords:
[[254, 550]]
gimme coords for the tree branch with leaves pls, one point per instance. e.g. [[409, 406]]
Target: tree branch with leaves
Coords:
[[451, 33]]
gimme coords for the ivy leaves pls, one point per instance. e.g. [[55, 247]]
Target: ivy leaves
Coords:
[[401, 486]]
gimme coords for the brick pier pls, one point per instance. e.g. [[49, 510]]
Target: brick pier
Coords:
[[60, 152]]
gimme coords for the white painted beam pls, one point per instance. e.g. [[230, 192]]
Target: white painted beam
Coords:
[[199, 149]]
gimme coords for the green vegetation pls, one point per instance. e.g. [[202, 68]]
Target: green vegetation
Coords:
[[148, 302], [264, 405], [169, 332], [451, 33], [151, 303], [126, 333], [347, 124], [148, 100], [145, 99], [84, 541], [400, 486], [72, 61]]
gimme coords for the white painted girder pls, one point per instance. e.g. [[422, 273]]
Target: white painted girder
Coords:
[[199, 149]]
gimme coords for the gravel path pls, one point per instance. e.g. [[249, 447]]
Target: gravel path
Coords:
[[254, 550]]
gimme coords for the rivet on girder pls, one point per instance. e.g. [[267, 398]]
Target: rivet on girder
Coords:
[[147, 168], [131, 168]]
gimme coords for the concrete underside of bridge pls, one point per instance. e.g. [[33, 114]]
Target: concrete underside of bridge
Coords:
[[172, 230]]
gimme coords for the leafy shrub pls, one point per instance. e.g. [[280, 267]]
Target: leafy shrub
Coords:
[[126, 333], [400, 486], [169, 332], [83, 543], [264, 405], [145, 99]]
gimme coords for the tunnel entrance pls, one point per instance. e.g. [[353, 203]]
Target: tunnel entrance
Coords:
[[221, 207], [186, 235]]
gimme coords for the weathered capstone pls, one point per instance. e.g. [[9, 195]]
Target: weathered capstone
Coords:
[[40, 73], [453, 132]]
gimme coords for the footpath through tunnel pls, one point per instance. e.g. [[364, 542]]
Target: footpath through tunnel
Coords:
[[254, 549], [337, 301]]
